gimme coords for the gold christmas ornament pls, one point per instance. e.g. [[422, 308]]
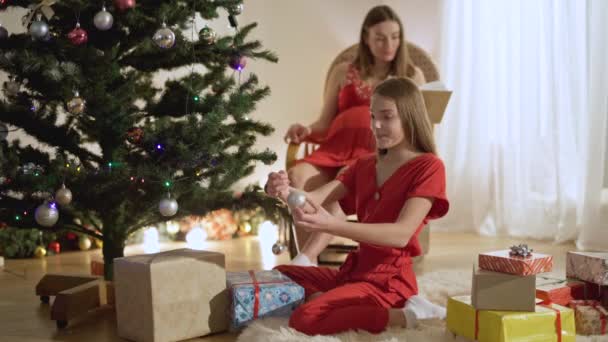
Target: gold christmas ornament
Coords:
[[40, 252], [63, 196], [84, 243], [77, 104]]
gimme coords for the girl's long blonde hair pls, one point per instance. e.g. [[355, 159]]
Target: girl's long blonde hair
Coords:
[[412, 111]]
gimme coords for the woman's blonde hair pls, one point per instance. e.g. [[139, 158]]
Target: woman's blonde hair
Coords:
[[401, 65], [412, 111]]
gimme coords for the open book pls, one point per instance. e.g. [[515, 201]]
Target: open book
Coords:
[[436, 98]]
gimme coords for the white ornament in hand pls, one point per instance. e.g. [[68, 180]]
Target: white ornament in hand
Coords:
[[296, 199]]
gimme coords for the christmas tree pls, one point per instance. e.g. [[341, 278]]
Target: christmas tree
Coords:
[[116, 153]]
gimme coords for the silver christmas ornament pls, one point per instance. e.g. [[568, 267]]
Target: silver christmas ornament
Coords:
[[237, 9], [278, 248], [3, 131], [168, 206], [76, 105], [38, 28], [103, 20], [296, 199], [47, 214], [207, 35], [48, 37], [164, 37], [63, 196]]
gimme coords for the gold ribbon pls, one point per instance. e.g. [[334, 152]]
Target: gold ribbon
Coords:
[[44, 7]]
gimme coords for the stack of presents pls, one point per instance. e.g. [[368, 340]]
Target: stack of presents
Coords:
[[512, 298], [182, 294]]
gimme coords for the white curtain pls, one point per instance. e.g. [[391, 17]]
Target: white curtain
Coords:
[[524, 136]]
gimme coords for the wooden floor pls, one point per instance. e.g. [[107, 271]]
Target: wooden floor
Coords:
[[23, 318]]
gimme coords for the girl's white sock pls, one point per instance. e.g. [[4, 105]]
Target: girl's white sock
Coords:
[[421, 308], [302, 260]]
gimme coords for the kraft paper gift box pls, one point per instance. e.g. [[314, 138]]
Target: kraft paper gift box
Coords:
[[257, 294], [590, 317], [502, 261], [561, 291], [548, 323], [588, 266], [170, 296], [503, 292]]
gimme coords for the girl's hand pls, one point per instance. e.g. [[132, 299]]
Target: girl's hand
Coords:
[[318, 220], [297, 133], [277, 185]]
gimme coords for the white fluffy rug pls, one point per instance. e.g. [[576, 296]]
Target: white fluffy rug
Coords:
[[435, 286]]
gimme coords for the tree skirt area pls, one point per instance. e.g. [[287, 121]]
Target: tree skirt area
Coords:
[[436, 286]]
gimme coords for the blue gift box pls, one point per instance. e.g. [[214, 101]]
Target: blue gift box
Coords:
[[257, 294]]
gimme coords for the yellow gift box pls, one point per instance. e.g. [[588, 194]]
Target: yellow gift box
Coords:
[[509, 326]]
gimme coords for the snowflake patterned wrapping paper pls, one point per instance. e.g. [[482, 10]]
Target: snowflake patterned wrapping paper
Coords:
[[257, 294]]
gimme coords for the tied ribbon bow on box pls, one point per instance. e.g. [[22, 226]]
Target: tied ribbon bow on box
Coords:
[[256, 290], [521, 250], [44, 7], [547, 304]]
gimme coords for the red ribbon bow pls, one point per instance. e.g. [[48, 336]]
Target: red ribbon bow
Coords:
[[256, 290]]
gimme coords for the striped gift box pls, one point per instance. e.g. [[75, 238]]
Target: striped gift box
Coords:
[[501, 261]]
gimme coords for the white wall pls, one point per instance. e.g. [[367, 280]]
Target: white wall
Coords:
[[306, 35], [11, 20]]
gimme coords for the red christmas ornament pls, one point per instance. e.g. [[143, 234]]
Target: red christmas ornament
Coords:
[[3, 3], [71, 236], [55, 247], [123, 5], [78, 36], [135, 134]]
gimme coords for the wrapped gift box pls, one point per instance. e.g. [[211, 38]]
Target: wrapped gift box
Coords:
[[561, 291], [503, 292], [256, 294], [590, 317], [588, 266], [548, 323], [170, 296], [599, 293], [502, 261]]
